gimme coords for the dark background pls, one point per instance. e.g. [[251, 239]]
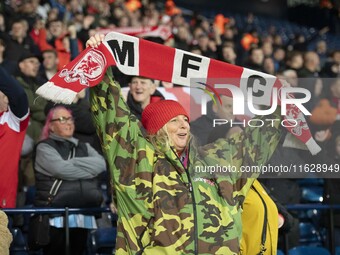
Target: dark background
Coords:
[[304, 12]]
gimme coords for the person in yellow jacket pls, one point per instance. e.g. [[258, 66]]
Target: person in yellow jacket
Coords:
[[260, 222]]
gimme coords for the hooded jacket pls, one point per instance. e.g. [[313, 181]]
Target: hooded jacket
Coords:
[[163, 207]]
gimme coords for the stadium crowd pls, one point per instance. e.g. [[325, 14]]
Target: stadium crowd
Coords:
[[39, 37]]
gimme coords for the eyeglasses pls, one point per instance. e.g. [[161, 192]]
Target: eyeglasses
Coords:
[[63, 120]]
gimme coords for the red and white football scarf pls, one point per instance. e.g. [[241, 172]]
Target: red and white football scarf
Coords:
[[134, 56]]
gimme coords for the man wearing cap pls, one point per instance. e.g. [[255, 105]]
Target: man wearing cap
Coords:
[[27, 77]]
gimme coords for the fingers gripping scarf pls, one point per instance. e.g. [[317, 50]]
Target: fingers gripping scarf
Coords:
[[134, 56]]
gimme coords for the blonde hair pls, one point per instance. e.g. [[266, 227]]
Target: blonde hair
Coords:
[[160, 141]]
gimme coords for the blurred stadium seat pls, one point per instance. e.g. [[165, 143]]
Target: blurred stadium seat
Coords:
[[279, 252], [103, 241], [18, 245], [308, 250], [309, 235]]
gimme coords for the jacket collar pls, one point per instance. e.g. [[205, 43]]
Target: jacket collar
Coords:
[[72, 140]]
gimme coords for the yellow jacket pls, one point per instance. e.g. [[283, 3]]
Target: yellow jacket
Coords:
[[252, 222]]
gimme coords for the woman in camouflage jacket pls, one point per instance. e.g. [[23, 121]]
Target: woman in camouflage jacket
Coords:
[[167, 200]]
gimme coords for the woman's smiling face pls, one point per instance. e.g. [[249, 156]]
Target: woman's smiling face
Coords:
[[178, 129]]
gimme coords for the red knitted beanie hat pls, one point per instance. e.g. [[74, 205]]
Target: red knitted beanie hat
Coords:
[[156, 115]]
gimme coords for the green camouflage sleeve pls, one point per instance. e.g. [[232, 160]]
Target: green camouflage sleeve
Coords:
[[130, 160], [238, 159]]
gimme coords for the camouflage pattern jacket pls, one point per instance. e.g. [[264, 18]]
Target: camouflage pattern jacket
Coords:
[[164, 208]]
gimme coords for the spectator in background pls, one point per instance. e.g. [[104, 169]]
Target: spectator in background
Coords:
[[331, 68], [269, 66], [60, 7], [28, 11], [260, 222], [335, 95], [322, 51], [14, 118], [311, 78], [267, 48], [311, 65], [196, 50], [142, 92], [17, 41], [27, 76], [65, 42], [279, 56], [182, 38], [228, 35], [255, 59], [228, 54], [278, 41], [203, 42], [291, 77], [60, 156], [49, 68], [84, 129], [279, 221], [294, 61]]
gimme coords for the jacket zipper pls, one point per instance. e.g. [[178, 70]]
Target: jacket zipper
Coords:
[[193, 200], [194, 209]]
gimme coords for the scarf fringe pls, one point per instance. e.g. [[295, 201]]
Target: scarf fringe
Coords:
[[56, 94], [312, 146]]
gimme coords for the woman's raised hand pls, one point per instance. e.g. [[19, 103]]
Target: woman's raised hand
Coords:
[[95, 40]]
